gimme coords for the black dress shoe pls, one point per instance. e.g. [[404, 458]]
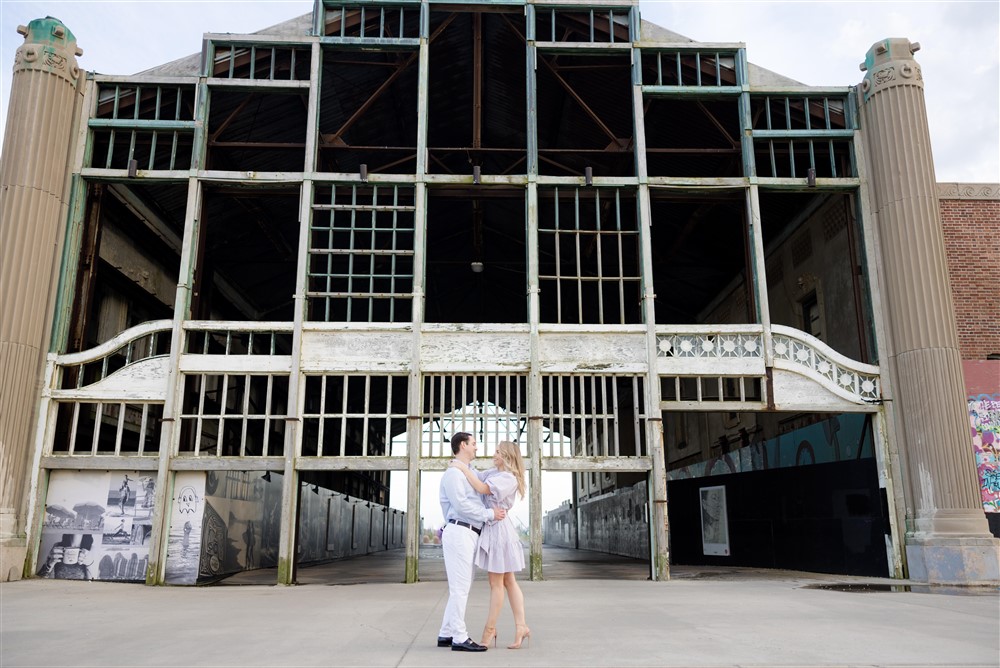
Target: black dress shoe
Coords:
[[444, 642], [468, 646]]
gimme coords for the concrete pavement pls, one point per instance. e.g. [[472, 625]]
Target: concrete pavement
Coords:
[[704, 617]]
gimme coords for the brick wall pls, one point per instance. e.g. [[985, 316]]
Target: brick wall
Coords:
[[972, 242]]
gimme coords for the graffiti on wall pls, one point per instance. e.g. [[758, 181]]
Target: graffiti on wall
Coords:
[[187, 508], [984, 423], [97, 525]]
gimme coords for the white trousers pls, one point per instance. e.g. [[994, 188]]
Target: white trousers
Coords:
[[458, 545]]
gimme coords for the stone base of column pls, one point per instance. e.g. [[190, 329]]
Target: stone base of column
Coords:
[[12, 547], [954, 561]]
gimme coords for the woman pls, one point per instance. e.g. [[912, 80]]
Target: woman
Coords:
[[499, 551]]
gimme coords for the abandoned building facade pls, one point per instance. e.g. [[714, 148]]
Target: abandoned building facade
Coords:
[[243, 289]]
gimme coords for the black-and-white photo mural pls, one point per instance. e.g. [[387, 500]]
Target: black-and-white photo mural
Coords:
[[187, 509], [241, 523], [222, 522], [714, 521], [97, 525]]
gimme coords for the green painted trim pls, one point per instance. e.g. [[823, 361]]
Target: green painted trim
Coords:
[[368, 43], [803, 134], [285, 572], [140, 124], [69, 266], [691, 91], [536, 567], [412, 570]]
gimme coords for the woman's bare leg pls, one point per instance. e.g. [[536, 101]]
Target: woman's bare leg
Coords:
[[521, 629], [496, 603]]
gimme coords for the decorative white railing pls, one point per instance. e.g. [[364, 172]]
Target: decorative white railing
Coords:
[[797, 351], [136, 344], [698, 366], [707, 351], [713, 343]]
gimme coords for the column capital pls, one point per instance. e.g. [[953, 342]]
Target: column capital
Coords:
[[888, 63], [49, 47]]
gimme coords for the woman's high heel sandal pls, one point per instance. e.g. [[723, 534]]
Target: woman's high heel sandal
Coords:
[[489, 636], [521, 634]]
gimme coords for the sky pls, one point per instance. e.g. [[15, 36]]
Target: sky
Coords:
[[815, 42]]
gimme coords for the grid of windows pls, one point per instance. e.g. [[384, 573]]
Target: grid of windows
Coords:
[[233, 415], [607, 25], [361, 254], [689, 67], [493, 407], [797, 135], [589, 247], [593, 416], [353, 415], [107, 428], [143, 127], [263, 62]]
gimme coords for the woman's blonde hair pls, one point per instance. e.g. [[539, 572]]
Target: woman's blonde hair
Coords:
[[510, 454]]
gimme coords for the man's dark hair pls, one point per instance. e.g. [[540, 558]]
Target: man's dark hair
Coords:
[[458, 439]]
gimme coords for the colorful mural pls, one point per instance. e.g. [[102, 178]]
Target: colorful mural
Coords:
[[97, 525], [984, 423]]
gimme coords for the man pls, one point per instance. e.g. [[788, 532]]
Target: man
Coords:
[[124, 491], [464, 516]]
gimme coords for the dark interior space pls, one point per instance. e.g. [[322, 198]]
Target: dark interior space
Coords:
[[813, 251], [826, 518], [339, 416], [247, 254], [584, 115], [477, 118], [368, 111], [700, 257], [693, 137], [562, 24], [257, 131], [128, 261], [143, 149], [233, 415], [476, 255]]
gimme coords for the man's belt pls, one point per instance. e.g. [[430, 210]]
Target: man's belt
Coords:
[[465, 524]]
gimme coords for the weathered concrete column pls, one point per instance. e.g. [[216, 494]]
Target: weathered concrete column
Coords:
[[947, 538], [43, 103]]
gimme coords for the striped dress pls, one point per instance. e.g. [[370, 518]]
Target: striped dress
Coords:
[[499, 549]]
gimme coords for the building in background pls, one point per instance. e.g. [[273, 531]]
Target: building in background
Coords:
[[970, 218], [642, 258]]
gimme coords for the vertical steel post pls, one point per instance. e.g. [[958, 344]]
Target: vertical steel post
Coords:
[[657, 485], [414, 421], [296, 381]]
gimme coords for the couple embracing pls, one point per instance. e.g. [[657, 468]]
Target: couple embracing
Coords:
[[477, 532]]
